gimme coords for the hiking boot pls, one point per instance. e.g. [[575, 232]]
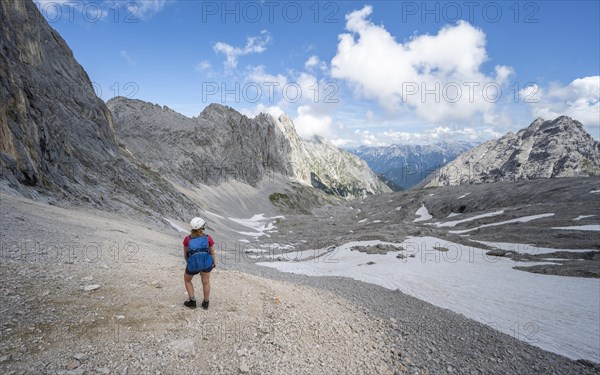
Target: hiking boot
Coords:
[[189, 303], [205, 305]]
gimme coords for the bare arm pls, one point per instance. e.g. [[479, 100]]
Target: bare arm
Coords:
[[212, 253]]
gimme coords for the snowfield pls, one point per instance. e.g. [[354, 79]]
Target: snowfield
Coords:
[[556, 313]]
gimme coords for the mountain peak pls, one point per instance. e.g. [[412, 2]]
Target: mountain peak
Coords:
[[223, 144], [218, 107], [546, 148]]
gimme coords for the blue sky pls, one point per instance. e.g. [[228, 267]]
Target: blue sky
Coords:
[[355, 72]]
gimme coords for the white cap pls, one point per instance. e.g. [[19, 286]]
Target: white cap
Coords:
[[197, 223]]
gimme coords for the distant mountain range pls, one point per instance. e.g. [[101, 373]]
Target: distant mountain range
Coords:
[[545, 149], [407, 165]]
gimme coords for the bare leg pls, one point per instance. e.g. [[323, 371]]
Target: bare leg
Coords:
[[205, 277], [188, 284]]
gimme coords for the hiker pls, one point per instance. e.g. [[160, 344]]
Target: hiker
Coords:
[[199, 254]]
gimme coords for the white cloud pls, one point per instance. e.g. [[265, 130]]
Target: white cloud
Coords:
[[502, 73], [274, 111], [127, 58], [367, 138], [580, 100], [428, 136], [254, 44], [203, 65], [259, 75], [341, 142], [438, 77], [312, 62], [309, 123], [438, 134], [145, 9]]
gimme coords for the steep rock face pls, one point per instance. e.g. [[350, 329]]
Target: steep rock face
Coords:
[[57, 137], [556, 148], [339, 172], [222, 144], [407, 165], [50, 118], [218, 145]]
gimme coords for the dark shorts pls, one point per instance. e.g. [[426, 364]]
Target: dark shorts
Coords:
[[195, 273]]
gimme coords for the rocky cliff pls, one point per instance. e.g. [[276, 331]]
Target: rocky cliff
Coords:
[[554, 148], [57, 138], [221, 144]]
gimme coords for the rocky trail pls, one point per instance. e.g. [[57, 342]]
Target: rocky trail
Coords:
[[86, 292]]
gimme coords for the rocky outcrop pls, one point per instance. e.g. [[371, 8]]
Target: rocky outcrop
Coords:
[[50, 120], [57, 137], [221, 144], [407, 165], [545, 149], [339, 172]]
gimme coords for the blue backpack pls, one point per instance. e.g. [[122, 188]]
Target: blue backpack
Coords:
[[198, 255]]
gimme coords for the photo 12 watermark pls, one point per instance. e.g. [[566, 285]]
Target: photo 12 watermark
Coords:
[[127, 12], [43, 252], [126, 89], [270, 11], [470, 92], [471, 11], [256, 92]]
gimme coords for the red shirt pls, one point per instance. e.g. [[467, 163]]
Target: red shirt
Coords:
[[186, 241]]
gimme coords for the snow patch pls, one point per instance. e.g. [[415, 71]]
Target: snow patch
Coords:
[[462, 196], [423, 214], [259, 223], [591, 227], [279, 253], [176, 226], [580, 217], [455, 222], [525, 248], [523, 219]]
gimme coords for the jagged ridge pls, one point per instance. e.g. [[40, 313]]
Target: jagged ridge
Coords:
[[222, 144], [556, 148]]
